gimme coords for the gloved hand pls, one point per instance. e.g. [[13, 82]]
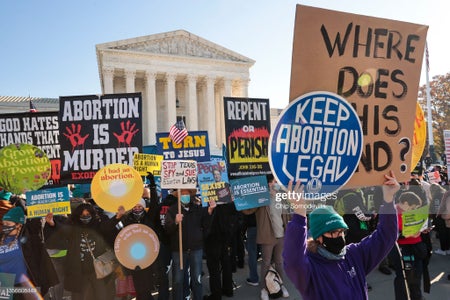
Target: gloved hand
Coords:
[[151, 179]]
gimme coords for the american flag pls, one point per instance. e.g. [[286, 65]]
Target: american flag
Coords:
[[32, 107], [178, 132]]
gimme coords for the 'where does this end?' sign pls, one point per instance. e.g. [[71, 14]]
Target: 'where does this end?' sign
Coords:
[[375, 65]]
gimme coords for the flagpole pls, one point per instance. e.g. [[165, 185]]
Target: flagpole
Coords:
[[429, 114]]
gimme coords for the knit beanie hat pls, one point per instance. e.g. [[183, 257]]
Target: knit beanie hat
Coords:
[[142, 202], [324, 219], [4, 195], [15, 215]]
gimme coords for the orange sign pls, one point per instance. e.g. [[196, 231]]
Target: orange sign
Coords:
[[136, 246], [115, 185], [420, 136]]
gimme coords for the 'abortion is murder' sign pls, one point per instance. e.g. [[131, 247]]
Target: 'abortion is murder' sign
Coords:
[[98, 131]]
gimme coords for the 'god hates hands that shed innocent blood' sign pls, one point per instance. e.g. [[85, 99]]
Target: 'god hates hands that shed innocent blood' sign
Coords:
[[178, 174], [375, 65], [317, 140]]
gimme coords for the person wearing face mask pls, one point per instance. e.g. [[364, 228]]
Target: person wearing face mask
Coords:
[[145, 280], [12, 259], [271, 221], [83, 233], [194, 221], [322, 266]]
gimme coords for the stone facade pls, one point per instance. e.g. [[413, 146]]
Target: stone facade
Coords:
[[180, 75]]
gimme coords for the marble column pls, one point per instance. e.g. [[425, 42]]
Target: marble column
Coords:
[[192, 102], [170, 100], [130, 76], [227, 92], [210, 110], [108, 80], [149, 108], [244, 88]]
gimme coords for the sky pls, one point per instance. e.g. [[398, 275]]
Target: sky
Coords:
[[48, 47]]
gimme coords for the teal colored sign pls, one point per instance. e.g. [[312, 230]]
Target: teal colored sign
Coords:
[[250, 192]]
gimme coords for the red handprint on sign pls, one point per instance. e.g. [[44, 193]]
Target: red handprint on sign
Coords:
[[74, 135], [127, 134]]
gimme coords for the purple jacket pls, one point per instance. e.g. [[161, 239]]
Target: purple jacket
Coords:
[[319, 278]]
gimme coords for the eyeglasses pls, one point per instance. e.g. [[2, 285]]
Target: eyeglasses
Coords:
[[336, 233]]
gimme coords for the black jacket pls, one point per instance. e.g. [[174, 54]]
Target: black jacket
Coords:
[[196, 222]]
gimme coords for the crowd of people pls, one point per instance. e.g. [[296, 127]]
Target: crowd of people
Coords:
[[344, 241]]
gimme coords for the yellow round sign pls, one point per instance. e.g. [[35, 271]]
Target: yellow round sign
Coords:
[[136, 246], [115, 185], [420, 136], [23, 167]]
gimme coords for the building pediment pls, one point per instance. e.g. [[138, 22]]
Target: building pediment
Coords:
[[176, 43]]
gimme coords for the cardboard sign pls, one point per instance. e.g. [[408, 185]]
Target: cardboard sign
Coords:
[[318, 140], [144, 163], [250, 192], [375, 65], [179, 174], [23, 167], [115, 185], [42, 202], [136, 245]]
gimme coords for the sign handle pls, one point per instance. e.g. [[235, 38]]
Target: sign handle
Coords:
[[180, 231]]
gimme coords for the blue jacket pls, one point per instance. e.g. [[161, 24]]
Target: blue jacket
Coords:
[[319, 278]]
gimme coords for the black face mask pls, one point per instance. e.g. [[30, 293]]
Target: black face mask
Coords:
[[333, 245], [85, 220], [138, 214], [8, 229]]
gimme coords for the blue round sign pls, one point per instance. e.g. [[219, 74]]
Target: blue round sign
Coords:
[[318, 140]]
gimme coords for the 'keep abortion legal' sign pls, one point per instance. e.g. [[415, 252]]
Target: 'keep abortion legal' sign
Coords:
[[317, 140]]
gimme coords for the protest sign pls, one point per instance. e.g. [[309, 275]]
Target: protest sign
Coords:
[[195, 146], [40, 129], [23, 167], [178, 174], [115, 185], [420, 137], [42, 202], [98, 131], [144, 163], [136, 245], [414, 220], [250, 192], [447, 149], [375, 65], [247, 130], [213, 182], [317, 140]]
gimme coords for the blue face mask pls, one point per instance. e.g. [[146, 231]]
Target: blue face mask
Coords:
[[185, 199], [277, 187]]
